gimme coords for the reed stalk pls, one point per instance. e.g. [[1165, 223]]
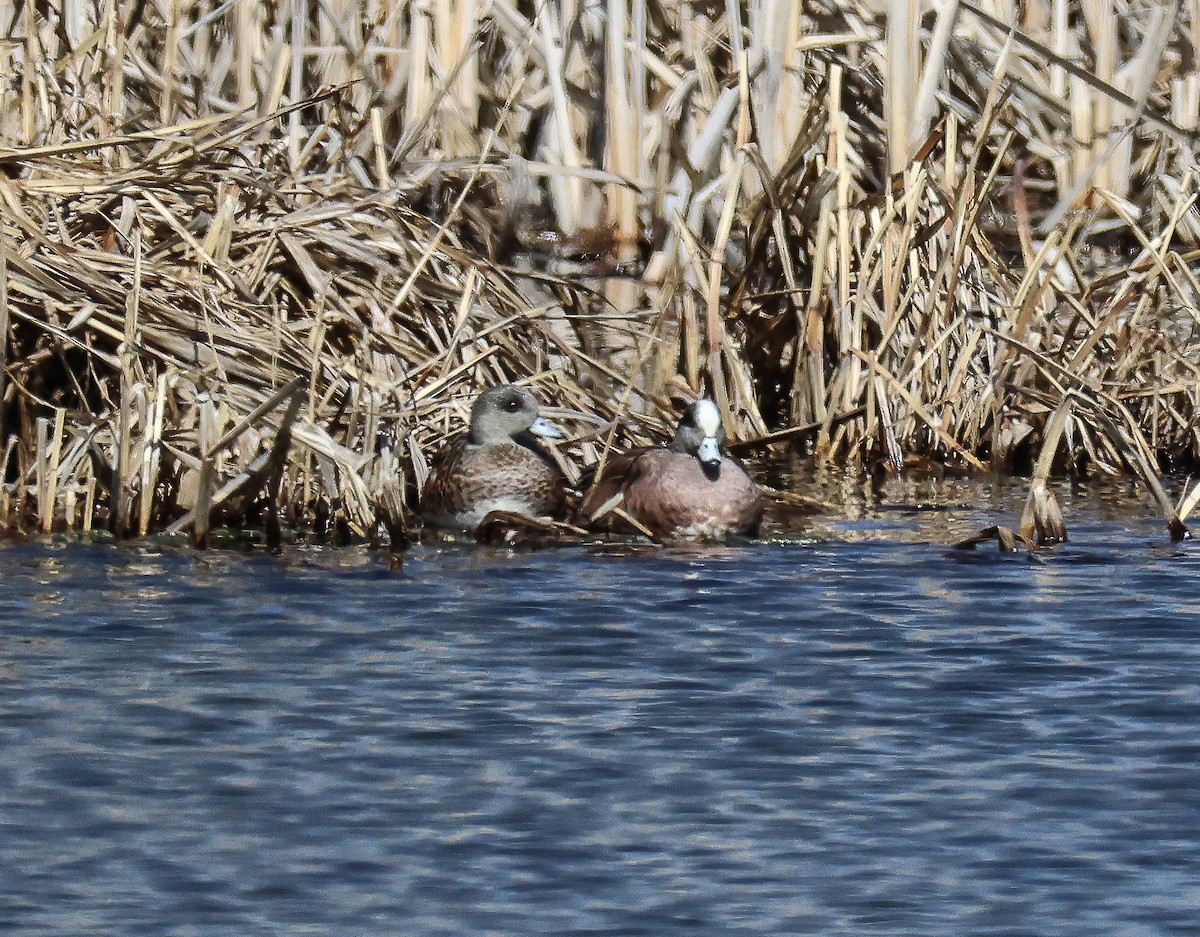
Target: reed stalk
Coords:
[[871, 242]]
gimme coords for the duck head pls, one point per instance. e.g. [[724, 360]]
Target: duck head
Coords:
[[700, 434], [505, 413]]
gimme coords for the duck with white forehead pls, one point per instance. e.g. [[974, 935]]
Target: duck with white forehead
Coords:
[[686, 490], [497, 465]]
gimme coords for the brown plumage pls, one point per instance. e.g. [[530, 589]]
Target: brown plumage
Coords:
[[686, 490], [495, 466]]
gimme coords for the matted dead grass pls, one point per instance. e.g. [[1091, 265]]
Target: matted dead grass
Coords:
[[257, 259]]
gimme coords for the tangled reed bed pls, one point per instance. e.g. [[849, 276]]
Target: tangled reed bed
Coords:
[[257, 258]]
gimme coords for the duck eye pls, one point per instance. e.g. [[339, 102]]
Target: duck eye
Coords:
[[512, 405]]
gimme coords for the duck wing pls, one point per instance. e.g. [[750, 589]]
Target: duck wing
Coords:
[[620, 471], [438, 495]]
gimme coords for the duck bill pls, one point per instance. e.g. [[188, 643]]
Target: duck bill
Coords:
[[540, 427], [709, 452]]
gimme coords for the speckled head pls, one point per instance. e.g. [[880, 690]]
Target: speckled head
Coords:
[[701, 434], [504, 413]]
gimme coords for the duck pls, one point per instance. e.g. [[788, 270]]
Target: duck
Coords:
[[687, 490], [497, 465]]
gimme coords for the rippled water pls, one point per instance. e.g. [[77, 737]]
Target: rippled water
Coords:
[[859, 734]]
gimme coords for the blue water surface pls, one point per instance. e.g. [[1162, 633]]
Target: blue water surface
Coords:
[[858, 736]]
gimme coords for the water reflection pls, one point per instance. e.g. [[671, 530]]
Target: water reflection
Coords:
[[868, 733]]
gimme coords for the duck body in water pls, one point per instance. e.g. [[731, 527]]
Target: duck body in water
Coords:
[[497, 465], [686, 490]]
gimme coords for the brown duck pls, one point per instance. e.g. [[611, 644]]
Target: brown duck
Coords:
[[686, 490], [497, 465]]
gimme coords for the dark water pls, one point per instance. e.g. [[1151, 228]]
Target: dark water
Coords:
[[860, 736]]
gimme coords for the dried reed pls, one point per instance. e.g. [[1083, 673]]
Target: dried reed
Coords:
[[255, 258]]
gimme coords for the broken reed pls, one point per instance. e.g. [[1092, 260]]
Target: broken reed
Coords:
[[259, 257]]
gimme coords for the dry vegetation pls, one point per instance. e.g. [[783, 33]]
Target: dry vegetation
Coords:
[[257, 254]]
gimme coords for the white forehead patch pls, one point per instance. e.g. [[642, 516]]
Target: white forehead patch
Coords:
[[707, 416]]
